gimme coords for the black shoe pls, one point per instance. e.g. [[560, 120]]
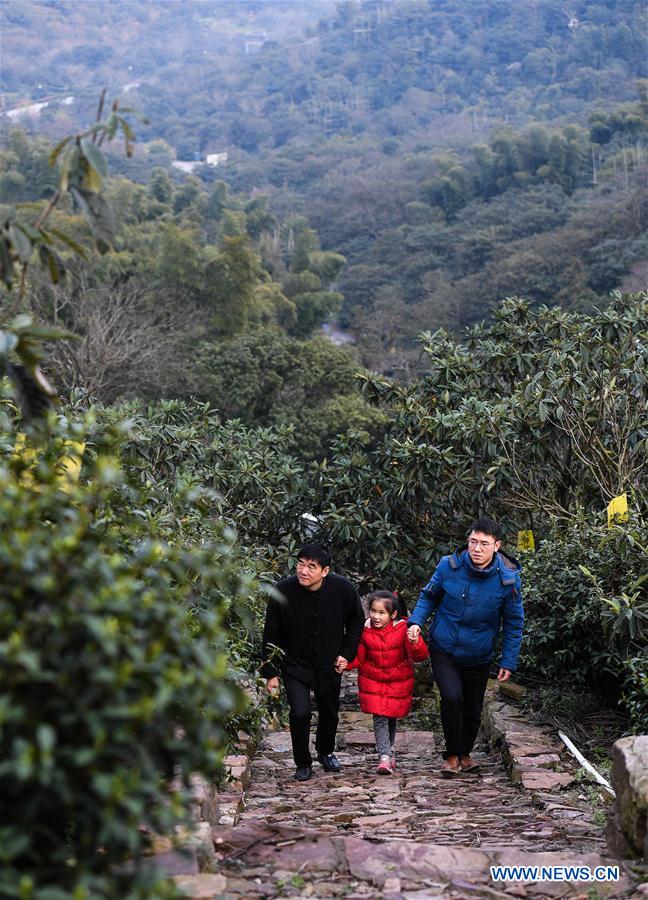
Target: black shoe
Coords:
[[303, 773], [329, 763]]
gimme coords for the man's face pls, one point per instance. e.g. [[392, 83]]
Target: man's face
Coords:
[[311, 574], [481, 548]]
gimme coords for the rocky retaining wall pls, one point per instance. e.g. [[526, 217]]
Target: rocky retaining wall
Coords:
[[627, 831]]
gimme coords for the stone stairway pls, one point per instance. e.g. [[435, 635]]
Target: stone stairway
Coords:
[[409, 835], [484, 811]]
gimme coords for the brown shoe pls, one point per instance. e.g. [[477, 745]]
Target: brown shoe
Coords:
[[469, 765], [451, 767]]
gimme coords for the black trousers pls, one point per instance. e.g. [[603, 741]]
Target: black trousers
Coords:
[[299, 701], [462, 690]]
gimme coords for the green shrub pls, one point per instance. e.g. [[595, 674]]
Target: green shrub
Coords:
[[635, 692], [114, 679], [587, 610], [230, 472]]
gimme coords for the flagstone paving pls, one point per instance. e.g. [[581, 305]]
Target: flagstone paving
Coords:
[[410, 835], [483, 810]]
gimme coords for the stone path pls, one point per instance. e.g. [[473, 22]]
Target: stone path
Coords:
[[410, 835], [484, 811]]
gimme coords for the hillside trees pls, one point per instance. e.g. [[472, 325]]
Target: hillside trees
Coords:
[[538, 418], [130, 340], [194, 266], [393, 128], [355, 74], [268, 378], [230, 280], [24, 170], [476, 234], [539, 414]]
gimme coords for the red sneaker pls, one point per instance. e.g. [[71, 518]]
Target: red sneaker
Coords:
[[384, 766]]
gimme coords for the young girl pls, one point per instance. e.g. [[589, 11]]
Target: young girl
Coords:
[[385, 672]]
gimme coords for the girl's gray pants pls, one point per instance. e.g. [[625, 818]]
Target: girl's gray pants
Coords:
[[385, 732]]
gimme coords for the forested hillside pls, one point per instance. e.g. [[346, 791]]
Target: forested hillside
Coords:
[[453, 153], [319, 69], [204, 293]]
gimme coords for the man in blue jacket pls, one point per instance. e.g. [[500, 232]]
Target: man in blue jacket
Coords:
[[472, 595]]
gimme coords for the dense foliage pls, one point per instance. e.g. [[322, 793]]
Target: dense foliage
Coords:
[[453, 155], [265, 377], [539, 414], [198, 472], [270, 78], [125, 602], [539, 419], [111, 641], [203, 294], [584, 588]]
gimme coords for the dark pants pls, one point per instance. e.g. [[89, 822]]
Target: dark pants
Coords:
[[462, 690], [299, 701]]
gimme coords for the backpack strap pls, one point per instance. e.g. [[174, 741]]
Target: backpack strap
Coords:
[[453, 559], [506, 570]]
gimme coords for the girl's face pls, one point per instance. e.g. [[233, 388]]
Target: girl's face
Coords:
[[379, 614]]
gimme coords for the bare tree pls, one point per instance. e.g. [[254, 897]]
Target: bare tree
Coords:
[[130, 343]]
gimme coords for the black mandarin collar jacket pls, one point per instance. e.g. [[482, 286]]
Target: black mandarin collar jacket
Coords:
[[312, 628]]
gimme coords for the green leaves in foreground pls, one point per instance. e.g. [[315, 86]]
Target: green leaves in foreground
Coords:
[[20, 354], [115, 679], [82, 171]]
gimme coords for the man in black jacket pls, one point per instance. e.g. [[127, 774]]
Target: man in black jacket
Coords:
[[317, 622]]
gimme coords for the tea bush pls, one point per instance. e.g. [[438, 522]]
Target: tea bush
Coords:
[[115, 677], [586, 608], [635, 692]]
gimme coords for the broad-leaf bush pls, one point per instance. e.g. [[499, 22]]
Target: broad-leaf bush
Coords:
[[635, 692], [115, 677], [195, 474], [577, 626], [243, 475], [538, 413]]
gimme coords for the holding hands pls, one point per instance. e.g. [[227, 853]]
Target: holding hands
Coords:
[[413, 633], [272, 686], [341, 664]]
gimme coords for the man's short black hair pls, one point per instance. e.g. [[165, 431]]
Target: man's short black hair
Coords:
[[319, 552], [486, 526]]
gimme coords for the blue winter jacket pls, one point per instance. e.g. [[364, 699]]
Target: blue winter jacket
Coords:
[[469, 607]]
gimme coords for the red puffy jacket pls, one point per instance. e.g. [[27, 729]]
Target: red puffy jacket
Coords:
[[385, 670]]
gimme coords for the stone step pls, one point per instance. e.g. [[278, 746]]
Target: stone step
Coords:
[[271, 860], [411, 834]]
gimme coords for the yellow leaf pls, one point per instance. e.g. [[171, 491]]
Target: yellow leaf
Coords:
[[92, 180], [68, 466], [26, 455]]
